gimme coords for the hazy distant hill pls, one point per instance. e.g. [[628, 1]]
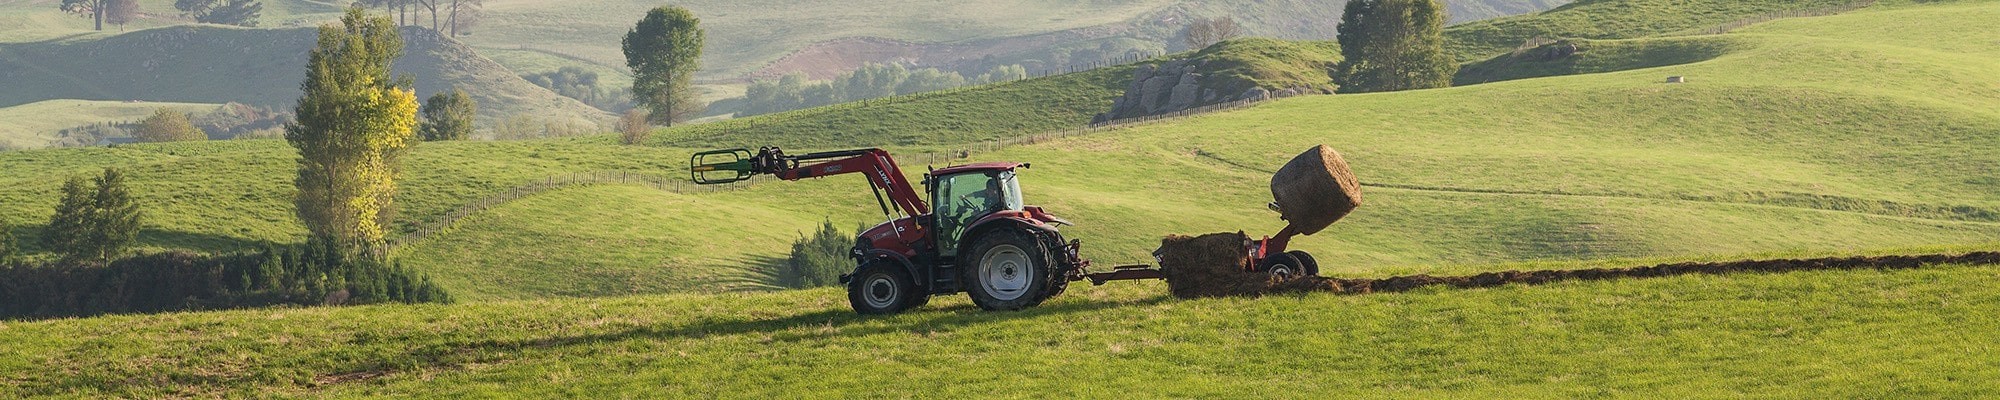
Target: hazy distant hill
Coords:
[[210, 64]]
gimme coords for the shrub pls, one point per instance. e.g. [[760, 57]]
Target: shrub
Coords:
[[167, 125], [820, 259], [633, 128]]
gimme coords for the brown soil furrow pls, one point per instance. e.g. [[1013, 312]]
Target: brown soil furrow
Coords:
[[1491, 279], [1214, 265]]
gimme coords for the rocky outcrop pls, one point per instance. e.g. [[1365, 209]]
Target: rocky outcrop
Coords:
[[1175, 86]]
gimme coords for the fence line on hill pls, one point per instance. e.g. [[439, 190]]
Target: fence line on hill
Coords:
[[681, 186], [1777, 15]]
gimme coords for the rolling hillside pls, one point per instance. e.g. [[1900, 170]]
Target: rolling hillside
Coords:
[[211, 64], [1771, 148], [1858, 133], [1607, 19]]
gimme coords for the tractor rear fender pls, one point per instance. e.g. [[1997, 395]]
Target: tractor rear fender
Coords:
[[863, 255]]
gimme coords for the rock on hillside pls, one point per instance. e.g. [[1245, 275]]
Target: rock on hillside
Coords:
[[1239, 69], [211, 64]]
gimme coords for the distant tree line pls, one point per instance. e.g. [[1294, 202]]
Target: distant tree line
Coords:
[[87, 272], [794, 91], [116, 12], [226, 12], [176, 281], [448, 17], [582, 85]]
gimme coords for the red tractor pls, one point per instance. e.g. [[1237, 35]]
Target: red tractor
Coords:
[[981, 238]]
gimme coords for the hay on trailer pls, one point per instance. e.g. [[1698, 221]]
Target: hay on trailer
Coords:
[[1315, 189], [1212, 265]]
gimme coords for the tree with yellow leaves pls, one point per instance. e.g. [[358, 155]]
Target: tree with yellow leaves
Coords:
[[353, 124]]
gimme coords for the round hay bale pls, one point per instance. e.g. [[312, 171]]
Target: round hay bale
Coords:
[[1315, 189]]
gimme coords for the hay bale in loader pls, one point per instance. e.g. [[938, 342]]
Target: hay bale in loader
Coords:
[[1314, 190]]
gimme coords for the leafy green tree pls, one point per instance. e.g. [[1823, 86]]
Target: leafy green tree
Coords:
[[353, 125], [93, 224], [1391, 45], [167, 125], [448, 116], [664, 51]]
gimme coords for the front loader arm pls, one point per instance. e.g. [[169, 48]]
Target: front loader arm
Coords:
[[724, 166]]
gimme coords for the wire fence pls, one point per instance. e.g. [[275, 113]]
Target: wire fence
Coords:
[[1777, 15]]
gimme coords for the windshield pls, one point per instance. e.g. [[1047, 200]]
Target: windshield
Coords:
[[964, 198]]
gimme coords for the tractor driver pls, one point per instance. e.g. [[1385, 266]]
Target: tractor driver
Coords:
[[978, 202]]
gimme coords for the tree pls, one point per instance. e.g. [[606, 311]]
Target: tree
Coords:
[[464, 15], [353, 124], [99, 10], [226, 12], [448, 116], [664, 51], [167, 125], [633, 127], [1203, 32], [93, 224], [121, 12], [1391, 45], [117, 216]]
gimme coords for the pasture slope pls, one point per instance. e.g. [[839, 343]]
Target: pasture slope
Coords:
[[1812, 136]]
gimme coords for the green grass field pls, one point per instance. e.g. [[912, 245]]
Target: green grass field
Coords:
[[1911, 333], [1867, 132]]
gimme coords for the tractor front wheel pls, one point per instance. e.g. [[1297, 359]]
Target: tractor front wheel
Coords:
[[1008, 270], [882, 287]]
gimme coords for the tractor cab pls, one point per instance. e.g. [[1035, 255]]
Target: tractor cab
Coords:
[[965, 195]]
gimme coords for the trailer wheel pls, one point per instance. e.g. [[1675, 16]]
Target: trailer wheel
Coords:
[[1307, 264], [1009, 270], [881, 287], [1282, 266]]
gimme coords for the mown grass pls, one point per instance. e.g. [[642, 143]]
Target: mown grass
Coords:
[[1904, 333]]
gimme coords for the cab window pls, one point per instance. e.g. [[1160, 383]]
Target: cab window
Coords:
[[962, 199]]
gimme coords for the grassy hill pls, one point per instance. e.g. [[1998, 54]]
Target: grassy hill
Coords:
[[212, 64], [1607, 19], [1771, 148]]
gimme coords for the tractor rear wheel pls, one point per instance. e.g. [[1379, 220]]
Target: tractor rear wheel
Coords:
[[882, 287], [1008, 270]]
